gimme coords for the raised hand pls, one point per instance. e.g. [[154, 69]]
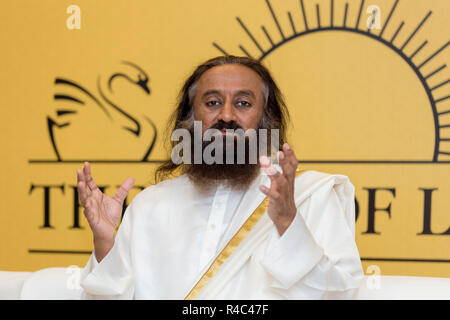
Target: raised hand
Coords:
[[281, 207], [102, 212]]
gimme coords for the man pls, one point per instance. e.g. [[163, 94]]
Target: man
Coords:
[[225, 231]]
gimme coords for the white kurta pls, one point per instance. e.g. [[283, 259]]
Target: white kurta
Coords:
[[171, 232]]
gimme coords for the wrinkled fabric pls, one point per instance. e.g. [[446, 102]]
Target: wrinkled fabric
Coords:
[[171, 232]]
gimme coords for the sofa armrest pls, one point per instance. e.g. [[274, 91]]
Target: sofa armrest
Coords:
[[403, 288], [11, 283], [53, 284]]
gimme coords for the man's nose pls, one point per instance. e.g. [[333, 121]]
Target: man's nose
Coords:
[[227, 112]]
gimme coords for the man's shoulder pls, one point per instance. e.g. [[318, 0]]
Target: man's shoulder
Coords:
[[163, 190], [314, 175], [313, 180], [325, 188]]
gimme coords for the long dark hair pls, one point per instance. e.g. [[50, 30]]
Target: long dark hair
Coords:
[[275, 115]]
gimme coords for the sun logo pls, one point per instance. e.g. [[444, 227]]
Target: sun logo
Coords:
[[390, 110]]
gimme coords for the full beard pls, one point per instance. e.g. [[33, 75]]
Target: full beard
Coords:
[[235, 175]]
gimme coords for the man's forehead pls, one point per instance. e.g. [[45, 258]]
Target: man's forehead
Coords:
[[230, 78]]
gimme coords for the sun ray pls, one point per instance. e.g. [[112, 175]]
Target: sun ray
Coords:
[[442, 99], [249, 34], [443, 112], [388, 18], [418, 49], [245, 51], [344, 24], [440, 84], [267, 35], [397, 32], [331, 12], [435, 71], [318, 15], [359, 14], [220, 49], [434, 55], [292, 22], [304, 15], [275, 19], [415, 30]]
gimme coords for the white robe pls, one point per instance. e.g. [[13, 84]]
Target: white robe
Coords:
[[165, 235]]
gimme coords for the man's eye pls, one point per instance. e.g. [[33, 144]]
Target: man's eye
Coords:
[[212, 103], [244, 103]]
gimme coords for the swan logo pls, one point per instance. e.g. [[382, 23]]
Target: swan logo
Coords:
[[115, 131]]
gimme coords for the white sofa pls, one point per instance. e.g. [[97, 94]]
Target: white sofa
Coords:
[[63, 284]]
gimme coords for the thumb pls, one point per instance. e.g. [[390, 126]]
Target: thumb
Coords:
[[126, 186]]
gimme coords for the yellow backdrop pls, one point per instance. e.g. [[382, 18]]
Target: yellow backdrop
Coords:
[[366, 83]]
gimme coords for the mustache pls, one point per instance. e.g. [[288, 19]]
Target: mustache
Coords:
[[223, 125]]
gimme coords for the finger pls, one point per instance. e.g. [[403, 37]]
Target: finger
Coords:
[[272, 194], [122, 193], [290, 158], [264, 161], [82, 193], [277, 179], [80, 175], [290, 155], [268, 168], [286, 165], [89, 180]]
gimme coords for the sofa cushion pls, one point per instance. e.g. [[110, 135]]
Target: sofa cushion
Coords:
[[53, 284]]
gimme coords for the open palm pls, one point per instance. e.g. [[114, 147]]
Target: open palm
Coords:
[[102, 212]]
